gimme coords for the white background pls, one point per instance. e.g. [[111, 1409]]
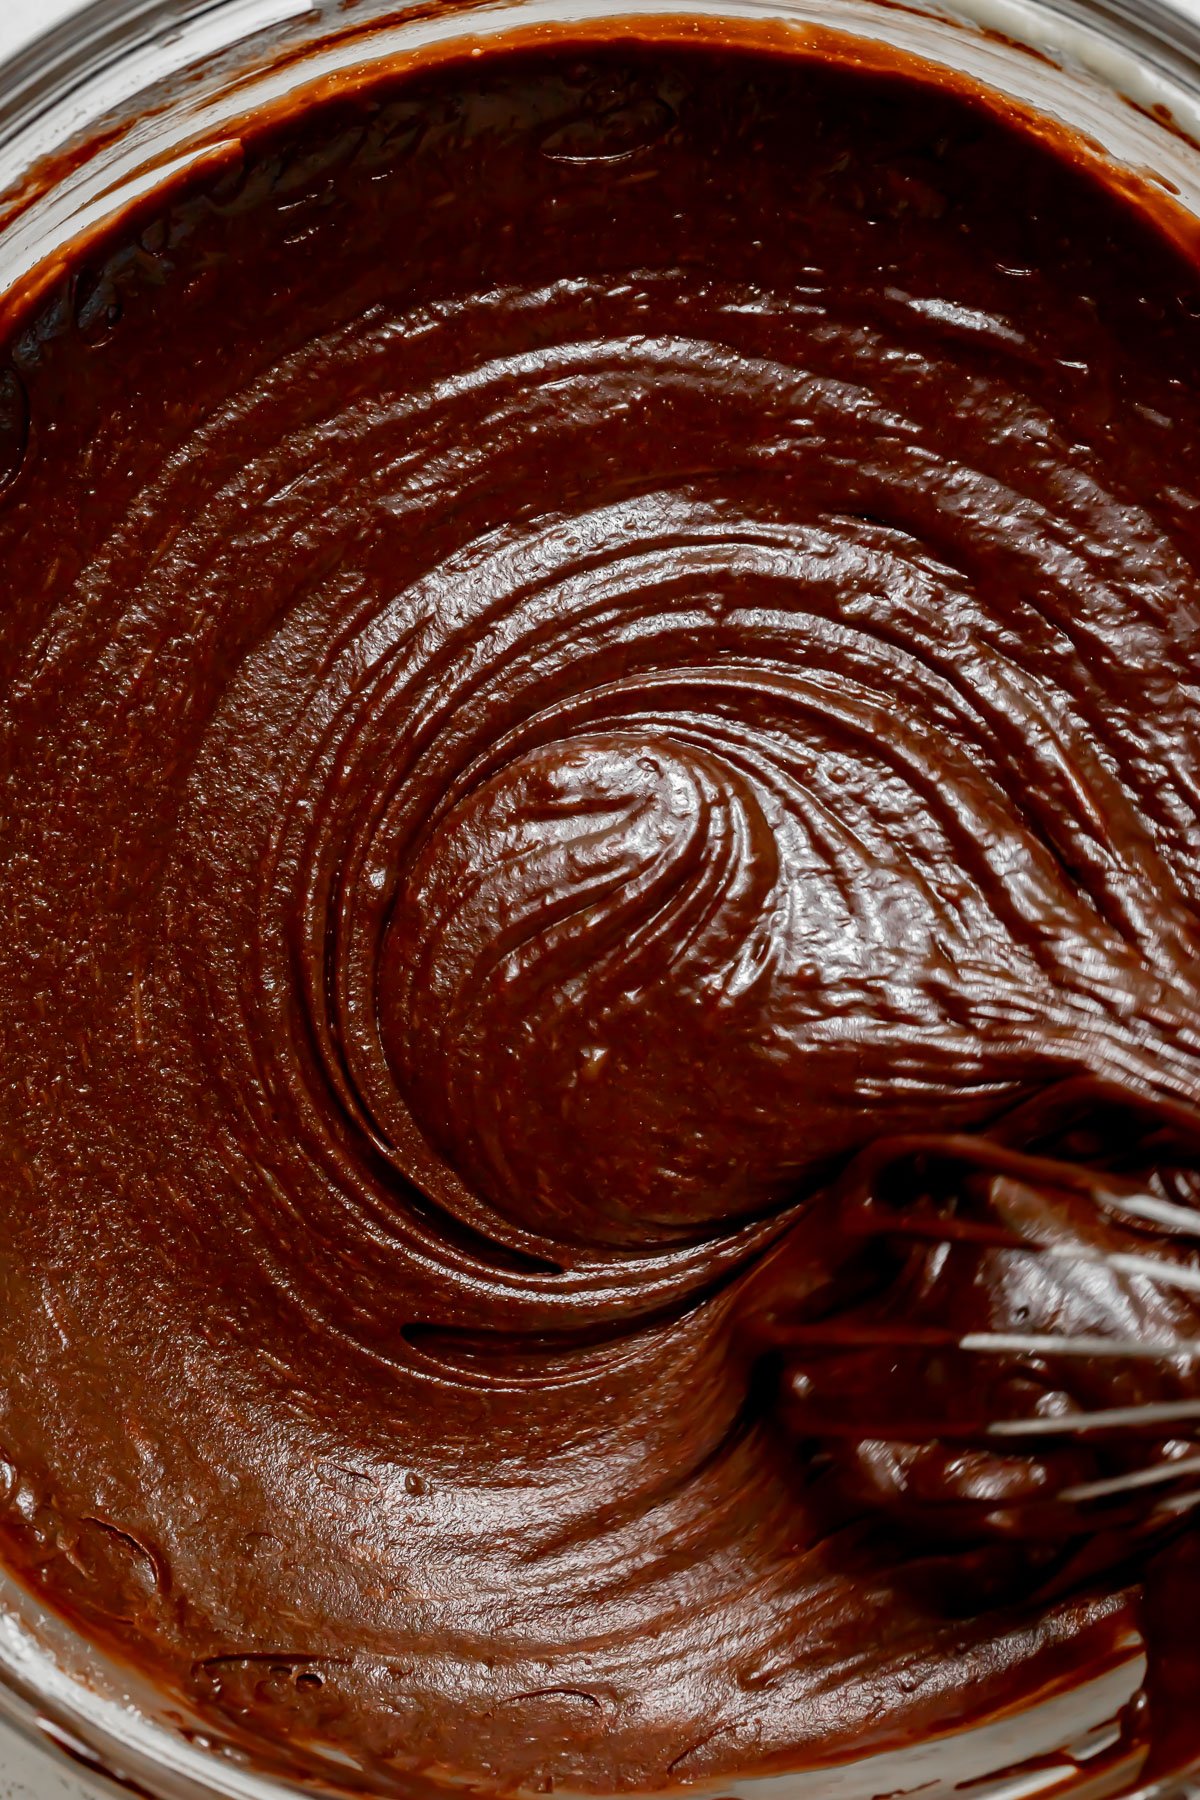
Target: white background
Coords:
[[20, 19]]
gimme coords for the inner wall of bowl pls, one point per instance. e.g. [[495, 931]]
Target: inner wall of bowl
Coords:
[[168, 91]]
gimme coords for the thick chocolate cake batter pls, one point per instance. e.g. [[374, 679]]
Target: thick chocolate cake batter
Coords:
[[600, 766]]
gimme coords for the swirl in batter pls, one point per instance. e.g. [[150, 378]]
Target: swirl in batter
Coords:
[[600, 751]]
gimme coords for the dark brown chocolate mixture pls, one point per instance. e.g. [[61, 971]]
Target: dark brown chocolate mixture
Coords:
[[588, 637]]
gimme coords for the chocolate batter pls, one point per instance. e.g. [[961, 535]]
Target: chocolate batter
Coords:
[[600, 756]]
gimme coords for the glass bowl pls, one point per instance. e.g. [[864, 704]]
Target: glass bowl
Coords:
[[140, 89]]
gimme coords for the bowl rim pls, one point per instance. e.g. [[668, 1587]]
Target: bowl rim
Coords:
[[45, 91]]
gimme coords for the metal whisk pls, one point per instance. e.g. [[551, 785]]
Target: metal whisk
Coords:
[[1002, 1340]]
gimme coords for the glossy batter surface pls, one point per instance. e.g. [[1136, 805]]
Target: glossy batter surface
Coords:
[[599, 698]]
